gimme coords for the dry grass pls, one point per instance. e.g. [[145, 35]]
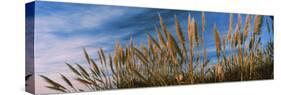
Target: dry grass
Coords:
[[166, 62]]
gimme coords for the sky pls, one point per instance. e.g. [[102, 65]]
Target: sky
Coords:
[[62, 30]]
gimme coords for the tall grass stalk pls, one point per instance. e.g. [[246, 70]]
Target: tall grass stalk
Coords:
[[172, 60]]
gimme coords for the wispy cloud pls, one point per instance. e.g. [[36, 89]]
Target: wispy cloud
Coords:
[[56, 41], [71, 20]]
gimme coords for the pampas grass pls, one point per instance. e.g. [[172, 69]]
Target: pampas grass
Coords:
[[247, 26], [257, 24], [229, 34], [217, 41], [164, 61]]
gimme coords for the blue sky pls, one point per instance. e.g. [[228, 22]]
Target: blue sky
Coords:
[[62, 30]]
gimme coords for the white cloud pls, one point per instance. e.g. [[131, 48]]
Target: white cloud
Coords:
[[52, 52], [71, 21], [50, 24], [95, 18]]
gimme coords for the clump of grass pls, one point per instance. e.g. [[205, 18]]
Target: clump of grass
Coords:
[[165, 62]]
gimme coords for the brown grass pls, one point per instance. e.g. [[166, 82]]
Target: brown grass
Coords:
[[166, 62]]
